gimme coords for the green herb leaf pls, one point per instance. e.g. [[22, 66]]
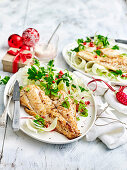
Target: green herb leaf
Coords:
[[77, 118], [27, 89], [83, 89], [4, 80], [115, 47], [88, 39], [66, 103], [101, 40], [98, 52], [79, 41], [117, 72], [74, 86]]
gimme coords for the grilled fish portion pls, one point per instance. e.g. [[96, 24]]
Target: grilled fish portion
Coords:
[[36, 102], [68, 113], [111, 60]]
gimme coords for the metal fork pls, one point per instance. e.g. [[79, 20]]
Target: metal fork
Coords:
[[3, 117]]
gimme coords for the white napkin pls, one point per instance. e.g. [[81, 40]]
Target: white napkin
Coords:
[[109, 126]]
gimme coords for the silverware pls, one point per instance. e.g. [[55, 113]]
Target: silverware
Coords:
[[16, 112], [3, 117], [117, 40]]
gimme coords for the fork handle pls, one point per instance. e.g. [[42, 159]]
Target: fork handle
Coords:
[[3, 117]]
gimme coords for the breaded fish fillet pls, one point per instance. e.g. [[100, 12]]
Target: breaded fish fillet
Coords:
[[36, 102], [110, 61]]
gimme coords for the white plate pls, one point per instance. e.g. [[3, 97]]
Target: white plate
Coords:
[[52, 137], [68, 47]]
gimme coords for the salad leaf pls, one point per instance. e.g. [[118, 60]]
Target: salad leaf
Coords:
[[115, 47], [4, 80]]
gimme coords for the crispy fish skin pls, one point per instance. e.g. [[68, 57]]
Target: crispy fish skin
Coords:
[[114, 63], [36, 102]]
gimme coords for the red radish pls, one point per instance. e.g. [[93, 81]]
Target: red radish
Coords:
[[84, 43], [53, 81], [120, 95], [91, 44]]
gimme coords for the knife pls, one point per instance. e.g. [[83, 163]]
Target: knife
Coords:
[[16, 112], [117, 40]]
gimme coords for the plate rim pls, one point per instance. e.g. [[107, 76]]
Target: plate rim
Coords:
[[65, 56], [13, 77]]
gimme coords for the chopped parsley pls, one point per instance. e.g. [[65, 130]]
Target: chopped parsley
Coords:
[[77, 118], [115, 47], [66, 103], [4, 80]]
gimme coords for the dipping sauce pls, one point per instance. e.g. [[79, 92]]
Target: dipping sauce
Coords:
[[45, 52]]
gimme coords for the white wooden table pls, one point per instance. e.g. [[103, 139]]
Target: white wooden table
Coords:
[[81, 17]]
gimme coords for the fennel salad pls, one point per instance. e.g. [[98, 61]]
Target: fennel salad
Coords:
[[95, 46], [51, 80]]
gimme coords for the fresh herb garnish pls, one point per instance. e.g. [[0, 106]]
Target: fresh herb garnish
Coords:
[[27, 89], [79, 41], [88, 39], [123, 54], [4, 80], [82, 109], [101, 40], [115, 47], [39, 121], [77, 118], [66, 103], [21, 87], [117, 72], [74, 86], [81, 47], [98, 52], [83, 89]]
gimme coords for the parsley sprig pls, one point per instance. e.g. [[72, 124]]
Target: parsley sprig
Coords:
[[101, 40]]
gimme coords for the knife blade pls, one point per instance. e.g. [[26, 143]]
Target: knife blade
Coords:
[[117, 40], [16, 112]]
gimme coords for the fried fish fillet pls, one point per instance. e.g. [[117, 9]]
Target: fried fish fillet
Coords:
[[110, 60], [36, 102]]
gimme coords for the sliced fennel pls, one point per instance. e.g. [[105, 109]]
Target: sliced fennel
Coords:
[[32, 126], [96, 69], [88, 66]]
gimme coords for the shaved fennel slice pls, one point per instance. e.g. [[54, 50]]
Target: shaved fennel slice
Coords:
[[78, 62], [88, 66], [96, 69], [35, 127]]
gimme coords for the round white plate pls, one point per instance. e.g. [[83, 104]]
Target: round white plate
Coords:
[[68, 47], [84, 124]]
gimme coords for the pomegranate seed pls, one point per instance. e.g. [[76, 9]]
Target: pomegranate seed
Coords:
[[56, 78], [91, 44], [124, 75], [69, 92], [53, 81], [46, 75], [95, 56], [46, 125], [84, 43], [87, 102], [98, 48], [61, 72], [77, 106], [82, 97], [59, 76], [43, 117]]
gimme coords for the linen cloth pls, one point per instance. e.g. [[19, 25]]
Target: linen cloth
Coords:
[[111, 119]]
